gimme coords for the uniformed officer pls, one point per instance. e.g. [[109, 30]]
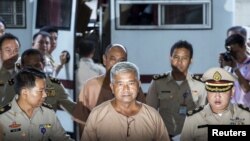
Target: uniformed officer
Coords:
[[220, 88], [175, 92], [9, 48], [26, 117], [56, 93]]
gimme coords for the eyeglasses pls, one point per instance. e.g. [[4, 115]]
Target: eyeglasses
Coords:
[[129, 121]]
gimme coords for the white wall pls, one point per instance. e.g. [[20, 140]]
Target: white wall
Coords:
[[149, 49]]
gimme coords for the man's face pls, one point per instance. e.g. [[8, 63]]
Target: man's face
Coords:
[[2, 29], [180, 60], [219, 100], [53, 41], [33, 61], [42, 43], [36, 96], [9, 52], [125, 87], [236, 50], [115, 55]]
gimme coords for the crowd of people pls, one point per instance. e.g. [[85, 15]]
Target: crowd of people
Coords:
[[110, 102]]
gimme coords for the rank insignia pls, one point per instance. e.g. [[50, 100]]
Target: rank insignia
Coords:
[[5, 108], [159, 76], [50, 91], [11, 81], [237, 121]]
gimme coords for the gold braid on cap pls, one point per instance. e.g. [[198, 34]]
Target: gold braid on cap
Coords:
[[218, 89], [219, 84]]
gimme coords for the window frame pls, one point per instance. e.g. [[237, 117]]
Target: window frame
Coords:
[[207, 15], [14, 15], [61, 27]]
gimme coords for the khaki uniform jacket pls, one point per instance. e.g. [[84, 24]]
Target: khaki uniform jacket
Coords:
[[43, 125], [105, 124], [56, 95], [4, 77], [195, 128], [167, 96]]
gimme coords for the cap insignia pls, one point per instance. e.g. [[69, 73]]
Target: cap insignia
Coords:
[[217, 76]]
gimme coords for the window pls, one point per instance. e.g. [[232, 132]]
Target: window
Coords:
[[13, 12], [54, 12], [167, 14]]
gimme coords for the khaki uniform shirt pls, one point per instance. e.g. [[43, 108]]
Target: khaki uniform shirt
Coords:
[[43, 125], [105, 124], [194, 128], [56, 95], [173, 100]]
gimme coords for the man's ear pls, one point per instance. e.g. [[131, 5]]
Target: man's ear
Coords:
[[112, 87], [104, 59], [24, 92], [191, 61]]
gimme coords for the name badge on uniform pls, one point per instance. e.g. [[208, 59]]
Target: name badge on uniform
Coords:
[[183, 109], [183, 106]]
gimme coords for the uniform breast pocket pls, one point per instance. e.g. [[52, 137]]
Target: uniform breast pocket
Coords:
[[165, 95]]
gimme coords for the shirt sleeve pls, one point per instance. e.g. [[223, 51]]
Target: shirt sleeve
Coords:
[[58, 133], [152, 98], [64, 100]]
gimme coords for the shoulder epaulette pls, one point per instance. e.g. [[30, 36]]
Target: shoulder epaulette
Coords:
[[55, 80], [18, 66], [196, 110], [159, 76], [11, 81], [47, 105], [244, 107], [197, 77], [5, 108]]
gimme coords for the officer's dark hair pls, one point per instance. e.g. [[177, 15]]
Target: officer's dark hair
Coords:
[[26, 78], [182, 44], [43, 33], [115, 45], [49, 29], [238, 29], [235, 39], [8, 36], [86, 47], [32, 51], [3, 22]]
